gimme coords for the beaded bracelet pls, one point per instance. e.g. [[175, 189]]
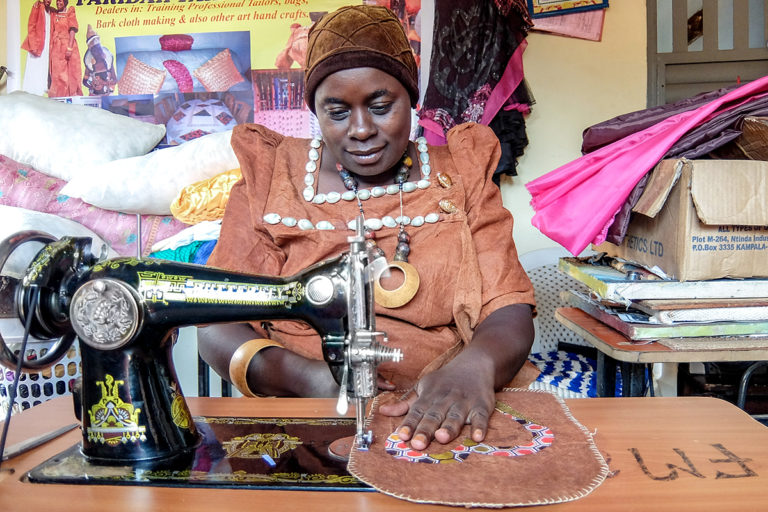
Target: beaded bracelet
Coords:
[[241, 359]]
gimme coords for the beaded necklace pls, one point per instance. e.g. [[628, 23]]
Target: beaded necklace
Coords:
[[403, 294]]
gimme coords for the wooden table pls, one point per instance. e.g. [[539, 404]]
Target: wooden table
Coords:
[[665, 454], [613, 346]]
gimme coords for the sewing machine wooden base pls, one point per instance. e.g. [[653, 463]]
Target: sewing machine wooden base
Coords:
[[237, 452]]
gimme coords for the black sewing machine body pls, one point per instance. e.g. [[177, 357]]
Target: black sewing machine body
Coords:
[[125, 313]]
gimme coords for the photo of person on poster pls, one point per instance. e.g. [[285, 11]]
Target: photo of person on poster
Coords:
[[66, 67], [37, 42]]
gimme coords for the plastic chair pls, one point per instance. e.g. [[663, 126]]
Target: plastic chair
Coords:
[[564, 373], [548, 282]]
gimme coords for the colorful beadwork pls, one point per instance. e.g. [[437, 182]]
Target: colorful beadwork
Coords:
[[542, 438]]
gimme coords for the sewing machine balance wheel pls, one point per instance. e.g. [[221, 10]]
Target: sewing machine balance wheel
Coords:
[[27, 300]]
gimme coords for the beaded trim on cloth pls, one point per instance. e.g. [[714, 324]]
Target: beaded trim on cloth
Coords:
[[535, 453]]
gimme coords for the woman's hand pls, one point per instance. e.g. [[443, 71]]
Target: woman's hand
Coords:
[[463, 391], [443, 402]]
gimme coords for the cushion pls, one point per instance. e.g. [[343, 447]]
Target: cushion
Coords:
[[219, 73], [22, 186], [149, 184], [180, 73], [139, 78], [206, 199], [176, 42], [59, 139]]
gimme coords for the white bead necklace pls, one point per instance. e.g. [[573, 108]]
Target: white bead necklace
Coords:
[[363, 194]]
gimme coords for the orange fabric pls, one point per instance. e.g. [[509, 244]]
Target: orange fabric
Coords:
[[66, 74], [467, 261], [35, 39]]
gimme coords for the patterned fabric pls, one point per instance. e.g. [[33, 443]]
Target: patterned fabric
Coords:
[[24, 187], [541, 437], [176, 42], [180, 73], [194, 134], [537, 453], [568, 371], [472, 45], [224, 118]]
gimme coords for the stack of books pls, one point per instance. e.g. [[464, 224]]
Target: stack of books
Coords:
[[646, 308]]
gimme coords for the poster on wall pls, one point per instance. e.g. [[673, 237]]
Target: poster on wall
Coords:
[[544, 8], [196, 66]]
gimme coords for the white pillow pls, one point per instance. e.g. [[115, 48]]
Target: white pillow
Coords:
[[58, 139], [21, 219], [148, 184]]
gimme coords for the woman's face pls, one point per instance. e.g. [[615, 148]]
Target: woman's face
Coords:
[[365, 118]]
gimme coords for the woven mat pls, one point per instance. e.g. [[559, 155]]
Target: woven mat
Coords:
[[535, 453], [720, 343]]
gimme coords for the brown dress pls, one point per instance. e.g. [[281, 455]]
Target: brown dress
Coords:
[[467, 261]]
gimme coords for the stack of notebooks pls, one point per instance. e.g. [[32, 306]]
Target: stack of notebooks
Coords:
[[680, 314]]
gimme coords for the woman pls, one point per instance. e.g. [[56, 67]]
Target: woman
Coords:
[[37, 43], [66, 70], [467, 329]]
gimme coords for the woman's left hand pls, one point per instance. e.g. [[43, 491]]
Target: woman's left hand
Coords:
[[443, 402], [463, 391]]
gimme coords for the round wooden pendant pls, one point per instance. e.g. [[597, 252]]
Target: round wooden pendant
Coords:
[[401, 295]]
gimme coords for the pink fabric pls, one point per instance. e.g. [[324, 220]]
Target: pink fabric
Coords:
[[520, 107], [24, 187], [510, 80], [575, 204], [433, 132]]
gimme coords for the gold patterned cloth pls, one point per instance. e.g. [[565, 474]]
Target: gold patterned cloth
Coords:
[[535, 453], [205, 200]]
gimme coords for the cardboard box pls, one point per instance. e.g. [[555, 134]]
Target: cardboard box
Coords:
[[701, 219]]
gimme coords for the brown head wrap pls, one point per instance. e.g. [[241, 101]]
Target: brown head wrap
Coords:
[[359, 36]]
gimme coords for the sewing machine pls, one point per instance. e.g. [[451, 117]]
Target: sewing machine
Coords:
[[125, 313]]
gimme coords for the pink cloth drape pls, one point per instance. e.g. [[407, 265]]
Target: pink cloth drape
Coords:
[[575, 203]]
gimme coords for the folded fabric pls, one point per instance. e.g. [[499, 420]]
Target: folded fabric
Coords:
[[184, 253], [206, 230], [576, 203], [712, 134], [204, 252], [206, 199], [601, 134]]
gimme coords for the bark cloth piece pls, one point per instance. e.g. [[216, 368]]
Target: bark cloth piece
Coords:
[[546, 456]]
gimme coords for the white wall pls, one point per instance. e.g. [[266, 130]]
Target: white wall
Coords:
[[576, 83]]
